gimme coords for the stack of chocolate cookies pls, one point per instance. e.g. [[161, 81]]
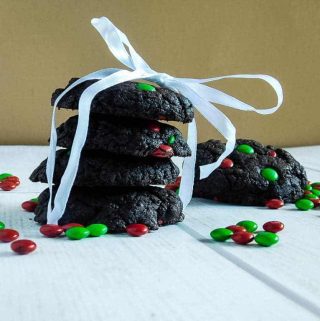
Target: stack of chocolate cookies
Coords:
[[126, 151]]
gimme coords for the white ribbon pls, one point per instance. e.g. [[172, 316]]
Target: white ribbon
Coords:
[[201, 96]]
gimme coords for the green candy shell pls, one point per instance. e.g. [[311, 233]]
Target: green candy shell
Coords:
[[77, 233], [246, 149], [310, 196], [171, 140], [145, 87], [266, 238], [250, 226], [304, 204], [269, 174], [2, 225], [308, 188], [221, 234], [316, 192], [4, 176], [35, 200], [97, 229]]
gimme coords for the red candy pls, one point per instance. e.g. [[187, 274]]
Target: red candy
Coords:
[[242, 237], [137, 229], [51, 230], [9, 183], [29, 206], [154, 127], [69, 225], [274, 203], [273, 226], [315, 201], [8, 235], [175, 185], [272, 153], [307, 192], [226, 163], [236, 228], [23, 246], [163, 151]]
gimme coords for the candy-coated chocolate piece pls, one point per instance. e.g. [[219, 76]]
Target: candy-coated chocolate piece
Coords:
[[269, 174], [12, 179], [304, 204], [272, 153], [316, 192], [145, 87], [175, 185], [69, 225], [2, 225], [315, 184], [221, 234], [242, 237], [7, 185], [178, 191], [4, 176], [246, 149], [137, 229], [154, 127], [29, 206], [266, 238], [274, 203], [226, 163], [310, 196], [51, 230], [308, 187], [97, 229], [8, 235], [171, 139], [250, 226], [307, 192], [163, 151], [236, 228], [273, 226], [35, 200], [77, 233], [316, 202], [23, 246]]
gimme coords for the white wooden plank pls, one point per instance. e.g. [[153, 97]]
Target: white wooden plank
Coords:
[[308, 156]]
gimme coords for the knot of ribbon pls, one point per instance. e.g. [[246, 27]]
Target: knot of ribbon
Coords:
[[202, 97]]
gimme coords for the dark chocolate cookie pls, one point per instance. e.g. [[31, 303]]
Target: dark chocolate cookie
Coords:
[[259, 173], [103, 169], [130, 99], [125, 136], [117, 207]]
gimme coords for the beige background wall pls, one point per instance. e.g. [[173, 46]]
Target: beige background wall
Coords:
[[44, 43]]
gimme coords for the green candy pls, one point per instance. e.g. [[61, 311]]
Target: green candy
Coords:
[[246, 149], [145, 87], [308, 188], [77, 233], [221, 234], [2, 225], [177, 191], [250, 226], [304, 204], [35, 200], [266, 238], [4, 176], [269, 174], [97, 229], [310, 196], [171, 140], [315, 184], [315, 192]]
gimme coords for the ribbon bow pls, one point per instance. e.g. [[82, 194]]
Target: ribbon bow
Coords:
[[201, 96]]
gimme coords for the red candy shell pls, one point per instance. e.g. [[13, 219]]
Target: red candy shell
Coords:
[[69, 225], [29, 206], [7, 185], [316, 202], [154, 127], [51, 230], [274, 203], [137, 229], [226, 163], [23, 246], [272, 153], [175, 185], [8, 235], [273, 226], [236, 228], [163, 151], [242, 237]]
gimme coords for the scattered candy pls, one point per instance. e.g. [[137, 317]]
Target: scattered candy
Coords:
[[77, 233], [8, 182], [269, 174], [242, 237], [266, 238], [316, 185], [274, 203], [311, 196], [23, 246], [272, 153], [308, 187], [316, 192], [244, 148], [137, 229], [145, 87], [316, 202], [4, 176], [2, 225], [51, 230], [273, 226], [163, 151], [307, 192], [8, 235], [250, 226], [221, 234], [35, 200], [304, 204], [226, 163], [29, 206], [69, 225], [171, 139], [97, 229], [236, 228]]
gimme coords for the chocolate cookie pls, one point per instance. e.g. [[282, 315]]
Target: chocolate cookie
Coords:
[[252, 174], [131, 99], [117, 207], [125, 136], [103, 169]]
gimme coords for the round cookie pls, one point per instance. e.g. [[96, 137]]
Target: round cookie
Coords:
[[258, 173]]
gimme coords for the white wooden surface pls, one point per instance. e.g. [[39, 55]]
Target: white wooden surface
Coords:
[[176, 273]]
